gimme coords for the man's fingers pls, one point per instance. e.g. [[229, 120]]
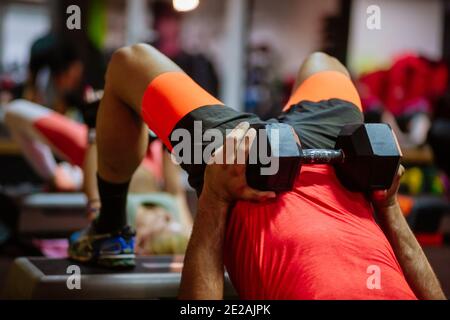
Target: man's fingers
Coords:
[[383, 194], [226, 154], [240, 130], [401, 171], [233, 140], [245, 145]]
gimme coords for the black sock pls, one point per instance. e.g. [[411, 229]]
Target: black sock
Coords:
[[113, 214]]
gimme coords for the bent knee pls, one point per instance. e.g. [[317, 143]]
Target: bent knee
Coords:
[[319, 57], [129, 59], [120, 61], [318, 62], [138, 64], [323, 62], [126, 54]]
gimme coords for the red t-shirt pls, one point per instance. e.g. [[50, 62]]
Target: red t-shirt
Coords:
[[319, 241]]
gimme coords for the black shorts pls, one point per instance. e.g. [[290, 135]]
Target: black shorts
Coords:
[[317, 124]]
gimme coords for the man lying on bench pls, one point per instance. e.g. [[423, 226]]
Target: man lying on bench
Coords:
[[316, 241]]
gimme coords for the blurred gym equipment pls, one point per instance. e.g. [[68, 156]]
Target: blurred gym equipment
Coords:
[[52, 214], [427, 214]]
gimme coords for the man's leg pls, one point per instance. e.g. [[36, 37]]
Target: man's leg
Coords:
[[317, 62], [142, 86], [121, 134], [323, 77], [121, 145], [324, 99]]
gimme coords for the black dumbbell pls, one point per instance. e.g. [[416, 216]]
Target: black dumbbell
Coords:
[[366, 157]]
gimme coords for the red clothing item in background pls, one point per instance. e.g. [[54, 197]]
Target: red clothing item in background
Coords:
[[411, 85], [407, 82], [372, 88], [318, 241], [70, 138]]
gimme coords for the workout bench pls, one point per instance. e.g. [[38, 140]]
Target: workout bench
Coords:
[[52, 214], [156, 277]]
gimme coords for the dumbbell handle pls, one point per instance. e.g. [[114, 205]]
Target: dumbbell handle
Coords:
[[321, 156]]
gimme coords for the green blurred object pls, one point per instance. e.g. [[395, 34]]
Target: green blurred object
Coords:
[[96, 23], [422, 180], [436, 183]]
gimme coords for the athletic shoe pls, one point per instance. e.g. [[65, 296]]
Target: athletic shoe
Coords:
[[107, 250]]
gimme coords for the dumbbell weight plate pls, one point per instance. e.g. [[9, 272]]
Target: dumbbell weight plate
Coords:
[[371, 157]]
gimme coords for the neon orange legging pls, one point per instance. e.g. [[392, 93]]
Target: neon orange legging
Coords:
[[325, 85], [173, 95], [170, 97]]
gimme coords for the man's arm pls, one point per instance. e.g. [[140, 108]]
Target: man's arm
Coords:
[[203, 270], [412, 259]]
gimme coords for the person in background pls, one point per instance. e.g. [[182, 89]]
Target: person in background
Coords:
[[167, 26], [68, 132], [41, 131], [38, 85]]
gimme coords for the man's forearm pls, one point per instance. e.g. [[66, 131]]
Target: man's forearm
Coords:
[[410, 255], [203, 271]]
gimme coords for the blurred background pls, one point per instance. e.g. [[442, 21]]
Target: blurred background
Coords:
[[247, 52]]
